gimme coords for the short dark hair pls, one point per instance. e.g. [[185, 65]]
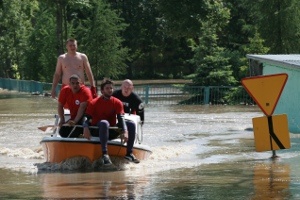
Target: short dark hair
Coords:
[[104, 82], [71, 40], [74, 76]]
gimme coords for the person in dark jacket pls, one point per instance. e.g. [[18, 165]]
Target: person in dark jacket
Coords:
[[131, 101]]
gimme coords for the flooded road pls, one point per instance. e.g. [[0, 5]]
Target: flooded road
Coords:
[[199, 152]]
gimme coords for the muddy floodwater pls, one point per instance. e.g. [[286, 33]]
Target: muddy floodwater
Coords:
[[199, 152]]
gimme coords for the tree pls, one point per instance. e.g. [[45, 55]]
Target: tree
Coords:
[[255, 46], [213, 68], [182, 18], [59, 8], [212, 64], [278, 24], [142, 36], [41, 54], [101, 36], [15, 27]]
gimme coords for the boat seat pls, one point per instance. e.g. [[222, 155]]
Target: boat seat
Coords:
[[77, 131]]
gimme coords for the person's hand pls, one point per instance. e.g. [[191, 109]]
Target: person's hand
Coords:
[[86, 133], [71, 123], [94, 91], [125, 136], [53, 94], [61, 122]]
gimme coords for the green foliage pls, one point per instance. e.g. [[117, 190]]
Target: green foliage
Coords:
[[15, 27], [213, 68], [153, 51], [255, 46], [240, 25], [279, 24], [238, 95], [101, 36], [203, 40], [182, 18], [41, 55]]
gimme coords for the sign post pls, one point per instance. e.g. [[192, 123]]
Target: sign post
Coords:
[[270, 132]]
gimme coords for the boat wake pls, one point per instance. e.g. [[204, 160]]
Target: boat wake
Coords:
[[82, 164], [26, 153]]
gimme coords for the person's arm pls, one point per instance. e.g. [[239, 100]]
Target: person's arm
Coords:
[[86, 130], [121, 122], [60, 111], [121, 119], [89, 74], [141, 112], [122, 126], [56, 77], [85, 97], [138, 106], [88, 70], [80, 112]]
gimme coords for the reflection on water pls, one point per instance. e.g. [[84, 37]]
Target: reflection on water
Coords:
[[199, 152], [271, 181], [238, 180], [92, 186]]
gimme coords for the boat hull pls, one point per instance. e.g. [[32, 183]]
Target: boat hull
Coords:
[[57, 149]]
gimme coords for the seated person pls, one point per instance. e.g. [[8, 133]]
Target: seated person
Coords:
[[103, 112], [131, 101], [76, 96]]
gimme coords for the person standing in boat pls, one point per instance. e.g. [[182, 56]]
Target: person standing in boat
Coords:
[[104, 111], [72, 62], [77, 96], [132, 103]]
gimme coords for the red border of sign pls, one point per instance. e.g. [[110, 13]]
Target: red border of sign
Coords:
[[263, 76]]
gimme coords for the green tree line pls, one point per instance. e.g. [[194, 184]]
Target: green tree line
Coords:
[[203, 40]]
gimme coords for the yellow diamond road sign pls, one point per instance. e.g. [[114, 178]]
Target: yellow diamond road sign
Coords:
[[265, 90]]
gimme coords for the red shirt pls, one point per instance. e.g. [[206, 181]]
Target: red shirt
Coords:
[[105, 109], [73, 100]]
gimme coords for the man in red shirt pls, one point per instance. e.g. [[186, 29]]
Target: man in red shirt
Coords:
[[77, 97], [103, 112]]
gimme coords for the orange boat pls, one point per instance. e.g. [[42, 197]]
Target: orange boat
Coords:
[[57, 149]]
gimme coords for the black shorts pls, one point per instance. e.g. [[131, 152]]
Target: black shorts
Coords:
[[69, 131]]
